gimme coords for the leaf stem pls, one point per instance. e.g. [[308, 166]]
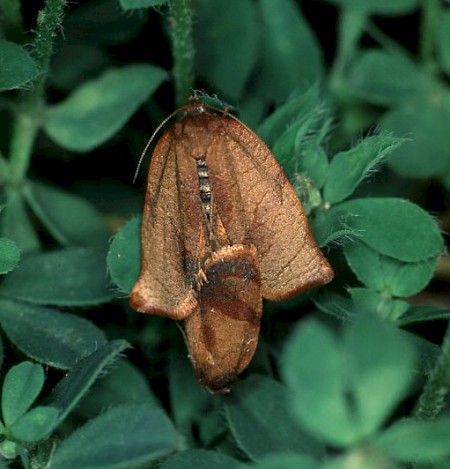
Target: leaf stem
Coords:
[[28, 117], [428, 25], [436, 389], [182, 49], [352, 23]]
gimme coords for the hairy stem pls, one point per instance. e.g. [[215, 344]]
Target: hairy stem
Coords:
[[28, 117], [182, 49]]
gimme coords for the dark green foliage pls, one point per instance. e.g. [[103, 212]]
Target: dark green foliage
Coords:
[[124, 436], [362, 381], [261, 421], [9, 255], [67, 277], [47, 335], [125, 254]]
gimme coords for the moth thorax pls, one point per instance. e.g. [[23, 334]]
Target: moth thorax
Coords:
[[204, 187]]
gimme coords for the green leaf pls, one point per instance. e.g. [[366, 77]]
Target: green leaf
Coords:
[[35, 425], [353, 385], [291, 55], [138, 4], [418, 314], [332, 226], [381, 366], [77, 382], [226, 33], [16, 224], [313, 356], [69, 218], [422, 119], [334, 304], [366, 301], [124, 256], [122, 437], [199, 459], [16, 66], [295, 131], [348, 168], [386, 274], [21, 386], [9, 255], [283, 461], [66, 277], [186, 402], [393, 227], [386, 79], [110, 391], [413, 441], [427, 352], [293, 147], [261, 423], [313, 161], [290, 111], [380, 7], [99, 108], [51, 337]]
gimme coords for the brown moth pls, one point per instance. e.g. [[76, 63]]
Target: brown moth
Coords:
[[222, 229]]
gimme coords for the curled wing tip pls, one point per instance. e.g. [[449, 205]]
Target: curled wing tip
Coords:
[[144, 303], [325, 275]]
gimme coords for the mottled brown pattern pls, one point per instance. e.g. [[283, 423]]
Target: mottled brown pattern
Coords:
[[222, 331], [212, 271]]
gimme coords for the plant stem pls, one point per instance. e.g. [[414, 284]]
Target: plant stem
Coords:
[[26, 126], [352, 23], [182, 49], [429, 23], [28, 118], [437, 387]]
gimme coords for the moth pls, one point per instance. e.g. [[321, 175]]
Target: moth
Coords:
[[222, 229]]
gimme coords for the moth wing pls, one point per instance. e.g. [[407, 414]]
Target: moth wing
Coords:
[[222, 332], [162, 285], [262, 209]]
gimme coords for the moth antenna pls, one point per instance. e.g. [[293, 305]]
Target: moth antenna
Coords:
[[150, 140]]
